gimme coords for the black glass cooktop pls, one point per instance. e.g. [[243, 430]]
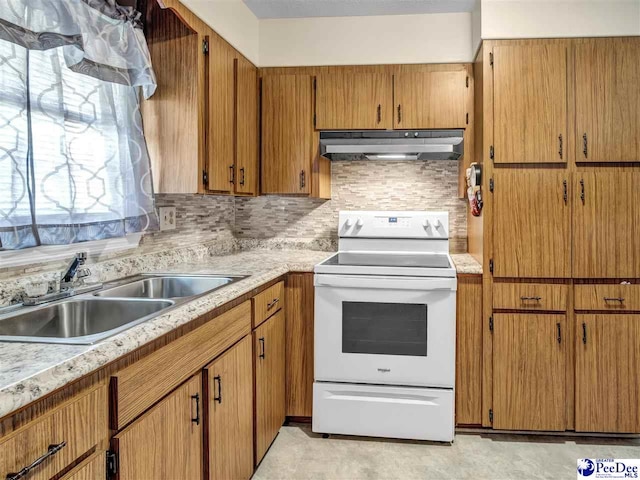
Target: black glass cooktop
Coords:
[[430, 260]]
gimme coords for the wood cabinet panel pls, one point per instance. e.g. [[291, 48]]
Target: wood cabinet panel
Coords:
[[435, 99], [606, 225], [93, 468], [166, 442], [268, 302], [221, 131], [530, 296], [229, 381], [287, 134], [608, 100], [531, 224], [354, 101], [269, 358], [530, 103], [529, 358], [469, 351], [139, 386], [299, 318], [614, 297], [246, 178], [80, 424], [607, 381]]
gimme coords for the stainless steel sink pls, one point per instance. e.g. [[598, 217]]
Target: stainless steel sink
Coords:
[[78, 321], [169, 286]]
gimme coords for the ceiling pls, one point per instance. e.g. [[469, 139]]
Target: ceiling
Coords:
[[349, 8]]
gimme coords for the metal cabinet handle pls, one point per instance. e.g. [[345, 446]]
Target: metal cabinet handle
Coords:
[[218, 379], [559, 332], [584, 333], [399, 113], [560, 145], [196, 397], [51, 451], [582, 196], [614, 299], [584, 145], [242, 176], [564, 191], [379, 113], [261, 340], [272, 304], [536, 299], [232, 173], [302, 179]]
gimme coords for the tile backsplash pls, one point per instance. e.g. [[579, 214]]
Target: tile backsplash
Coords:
[[358, 185]]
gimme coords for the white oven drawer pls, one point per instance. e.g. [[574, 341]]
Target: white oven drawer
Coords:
[[383, 411]]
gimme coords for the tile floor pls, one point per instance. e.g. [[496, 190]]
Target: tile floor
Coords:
[[298, 454]]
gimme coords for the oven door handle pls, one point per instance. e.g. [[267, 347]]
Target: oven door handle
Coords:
[[385, 282]]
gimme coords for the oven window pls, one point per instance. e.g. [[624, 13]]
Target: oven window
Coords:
[[384, 328]]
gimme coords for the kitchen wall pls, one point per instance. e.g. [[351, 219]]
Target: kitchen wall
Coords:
[[357, 185]]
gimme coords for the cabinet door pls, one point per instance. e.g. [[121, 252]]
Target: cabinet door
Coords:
[[530, 103], [607, 366], [221, 131], [166, 441], [353, 101], [608, 100], [93, 468], [606, 225], [269, 360], [430, 100], [287, 134], [299, 344], [246, 181], [230, 413], [531, 224], [529, 358]]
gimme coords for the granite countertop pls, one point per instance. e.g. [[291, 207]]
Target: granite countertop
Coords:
[[29, 371]]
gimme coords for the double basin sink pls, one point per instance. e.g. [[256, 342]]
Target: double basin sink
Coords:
[[89, 318]]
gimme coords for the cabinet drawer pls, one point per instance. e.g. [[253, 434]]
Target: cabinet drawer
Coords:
[[617, 297], [267, 303], [137, 387], [530, 296], [76, 428], [93, 468]]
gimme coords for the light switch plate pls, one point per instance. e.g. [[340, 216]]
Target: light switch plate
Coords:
[[167, 218]]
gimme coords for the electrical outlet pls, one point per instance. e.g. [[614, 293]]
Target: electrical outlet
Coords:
[[167, 218]]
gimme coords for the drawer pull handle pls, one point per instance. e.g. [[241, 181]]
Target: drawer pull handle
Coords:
[[584, 333], [535, 299], [196, 397], [614, 299], [273, 303], [559, 332], [218, 379], [51, 451], [261, 340]]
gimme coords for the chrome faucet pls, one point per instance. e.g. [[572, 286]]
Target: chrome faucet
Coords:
[[73, 271]]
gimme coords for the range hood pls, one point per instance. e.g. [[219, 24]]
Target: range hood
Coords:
[[392, 144]]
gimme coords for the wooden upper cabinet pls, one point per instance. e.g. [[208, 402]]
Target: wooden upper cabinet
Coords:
[[529, 356], [531, 223], [246, 164], [353, 101], [435, 99], [287, 133], [608, 100], [607, 381], [606, 224], [166, 441], [221, 131], [229, 381], [530, 103]]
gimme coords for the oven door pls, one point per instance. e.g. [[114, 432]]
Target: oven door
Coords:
[[385, 330]]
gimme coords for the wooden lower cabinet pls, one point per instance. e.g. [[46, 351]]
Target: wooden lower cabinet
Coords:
[[529, 355], [166, 442], [607, 366], [229, 385], [269, 358]]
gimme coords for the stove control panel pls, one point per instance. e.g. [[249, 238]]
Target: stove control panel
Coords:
[[383, 224]]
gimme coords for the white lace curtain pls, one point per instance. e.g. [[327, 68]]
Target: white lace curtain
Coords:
[[73, 160]]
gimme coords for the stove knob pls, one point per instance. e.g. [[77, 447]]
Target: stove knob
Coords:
[[437, 224], [426, 224], [348, 223], [359, 223]]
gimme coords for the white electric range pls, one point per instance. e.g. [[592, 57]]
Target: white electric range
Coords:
[[384, 334]]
